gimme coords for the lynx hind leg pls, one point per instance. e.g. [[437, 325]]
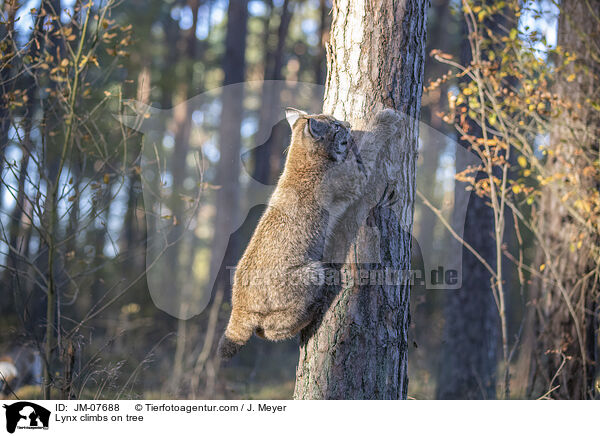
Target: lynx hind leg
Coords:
[[277, 326], [309, 316], [285, 325]]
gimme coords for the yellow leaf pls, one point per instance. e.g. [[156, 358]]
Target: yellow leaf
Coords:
[[106, 178], [542, 267], [570, 77], [516, 189], [522, 161]]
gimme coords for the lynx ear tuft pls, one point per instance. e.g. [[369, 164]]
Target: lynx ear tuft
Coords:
[[292, 115]]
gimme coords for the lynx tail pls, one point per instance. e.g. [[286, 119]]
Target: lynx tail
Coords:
[[238, 332]]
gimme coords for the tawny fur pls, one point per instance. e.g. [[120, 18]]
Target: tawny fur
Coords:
[[276, 289]]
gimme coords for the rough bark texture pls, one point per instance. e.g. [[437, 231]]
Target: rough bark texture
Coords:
[[358, 349], [570, 336]]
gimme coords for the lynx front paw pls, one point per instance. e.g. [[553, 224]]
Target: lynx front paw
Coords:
[[387, 122], [387, 116]]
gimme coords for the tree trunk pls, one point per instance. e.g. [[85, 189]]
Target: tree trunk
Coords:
[[471, 325], [358, 350], [228, 169], [321, 57], [227, 178], [182, 127], [567, 312], [271, 101], [15, 228], [439, 37], [6, 32]]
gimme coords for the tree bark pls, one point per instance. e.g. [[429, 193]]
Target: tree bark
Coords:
[[567, 319], [358, 348]]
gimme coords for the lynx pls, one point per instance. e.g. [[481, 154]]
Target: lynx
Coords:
[[276, 291]]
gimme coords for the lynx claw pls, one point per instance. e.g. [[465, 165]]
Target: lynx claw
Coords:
[[389, 197]]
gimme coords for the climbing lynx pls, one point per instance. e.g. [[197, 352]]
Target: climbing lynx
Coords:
[[328, 166]]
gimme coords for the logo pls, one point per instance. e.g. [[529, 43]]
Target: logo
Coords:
[[210, 153], [26, 415]]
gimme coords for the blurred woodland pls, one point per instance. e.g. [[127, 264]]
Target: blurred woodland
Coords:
[[513, 84]]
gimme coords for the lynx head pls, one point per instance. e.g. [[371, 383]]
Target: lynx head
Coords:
[[318, 137]]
